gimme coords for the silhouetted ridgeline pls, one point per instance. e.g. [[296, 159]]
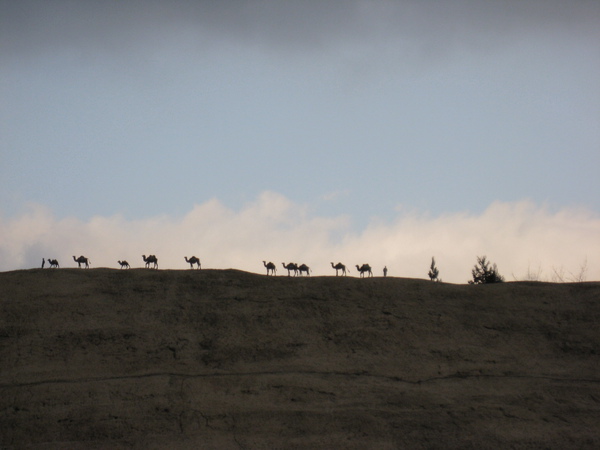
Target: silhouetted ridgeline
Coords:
[[104, 358]]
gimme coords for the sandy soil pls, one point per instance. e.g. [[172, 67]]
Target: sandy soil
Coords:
[[139, 358]]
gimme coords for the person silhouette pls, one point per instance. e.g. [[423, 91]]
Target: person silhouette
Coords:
[[385, 271], [43, 262]]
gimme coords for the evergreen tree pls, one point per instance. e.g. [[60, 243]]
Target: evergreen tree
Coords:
[[483, 273], [433, 271]]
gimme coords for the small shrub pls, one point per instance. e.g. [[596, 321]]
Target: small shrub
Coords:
[[559, 276], [483, 273], [433, 271]]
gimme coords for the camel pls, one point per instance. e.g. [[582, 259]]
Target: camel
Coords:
[[193, 260], [270, 267], [304, 268], [364, 268], [82, 260], [291, 266], [339, 266], [124, 264], [150, 259], [53, 263]]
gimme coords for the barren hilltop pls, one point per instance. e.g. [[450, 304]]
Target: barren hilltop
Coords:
[[138, 358]]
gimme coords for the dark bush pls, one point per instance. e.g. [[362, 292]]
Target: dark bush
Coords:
[[433, 271], [483, 273]]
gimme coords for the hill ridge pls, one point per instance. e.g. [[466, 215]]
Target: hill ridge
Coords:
[[144, 358]]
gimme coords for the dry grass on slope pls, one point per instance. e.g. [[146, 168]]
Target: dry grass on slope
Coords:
[[222, 358]]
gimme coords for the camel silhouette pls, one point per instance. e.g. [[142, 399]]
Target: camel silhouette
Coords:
[[193, 260], [304, 268], [124, 264], [53, 263], [270, 268], [364, 268], [82, 260], [151, 259], [291, 266], [339, 266]]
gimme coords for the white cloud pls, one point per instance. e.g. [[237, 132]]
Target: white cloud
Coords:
[[519, 237]]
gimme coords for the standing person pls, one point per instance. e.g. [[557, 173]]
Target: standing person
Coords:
[[43, 262], [385, 271]]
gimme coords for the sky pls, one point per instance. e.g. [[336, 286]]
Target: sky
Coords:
[[380, 132]]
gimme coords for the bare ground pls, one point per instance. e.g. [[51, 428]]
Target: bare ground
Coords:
[[140, 358]]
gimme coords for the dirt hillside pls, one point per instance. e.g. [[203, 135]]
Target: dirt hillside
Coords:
[[138, 358]]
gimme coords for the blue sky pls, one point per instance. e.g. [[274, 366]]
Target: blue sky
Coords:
[[354, 113]]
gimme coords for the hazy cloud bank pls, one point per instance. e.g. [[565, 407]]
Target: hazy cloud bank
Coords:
[[432, 28], [520, 237]]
